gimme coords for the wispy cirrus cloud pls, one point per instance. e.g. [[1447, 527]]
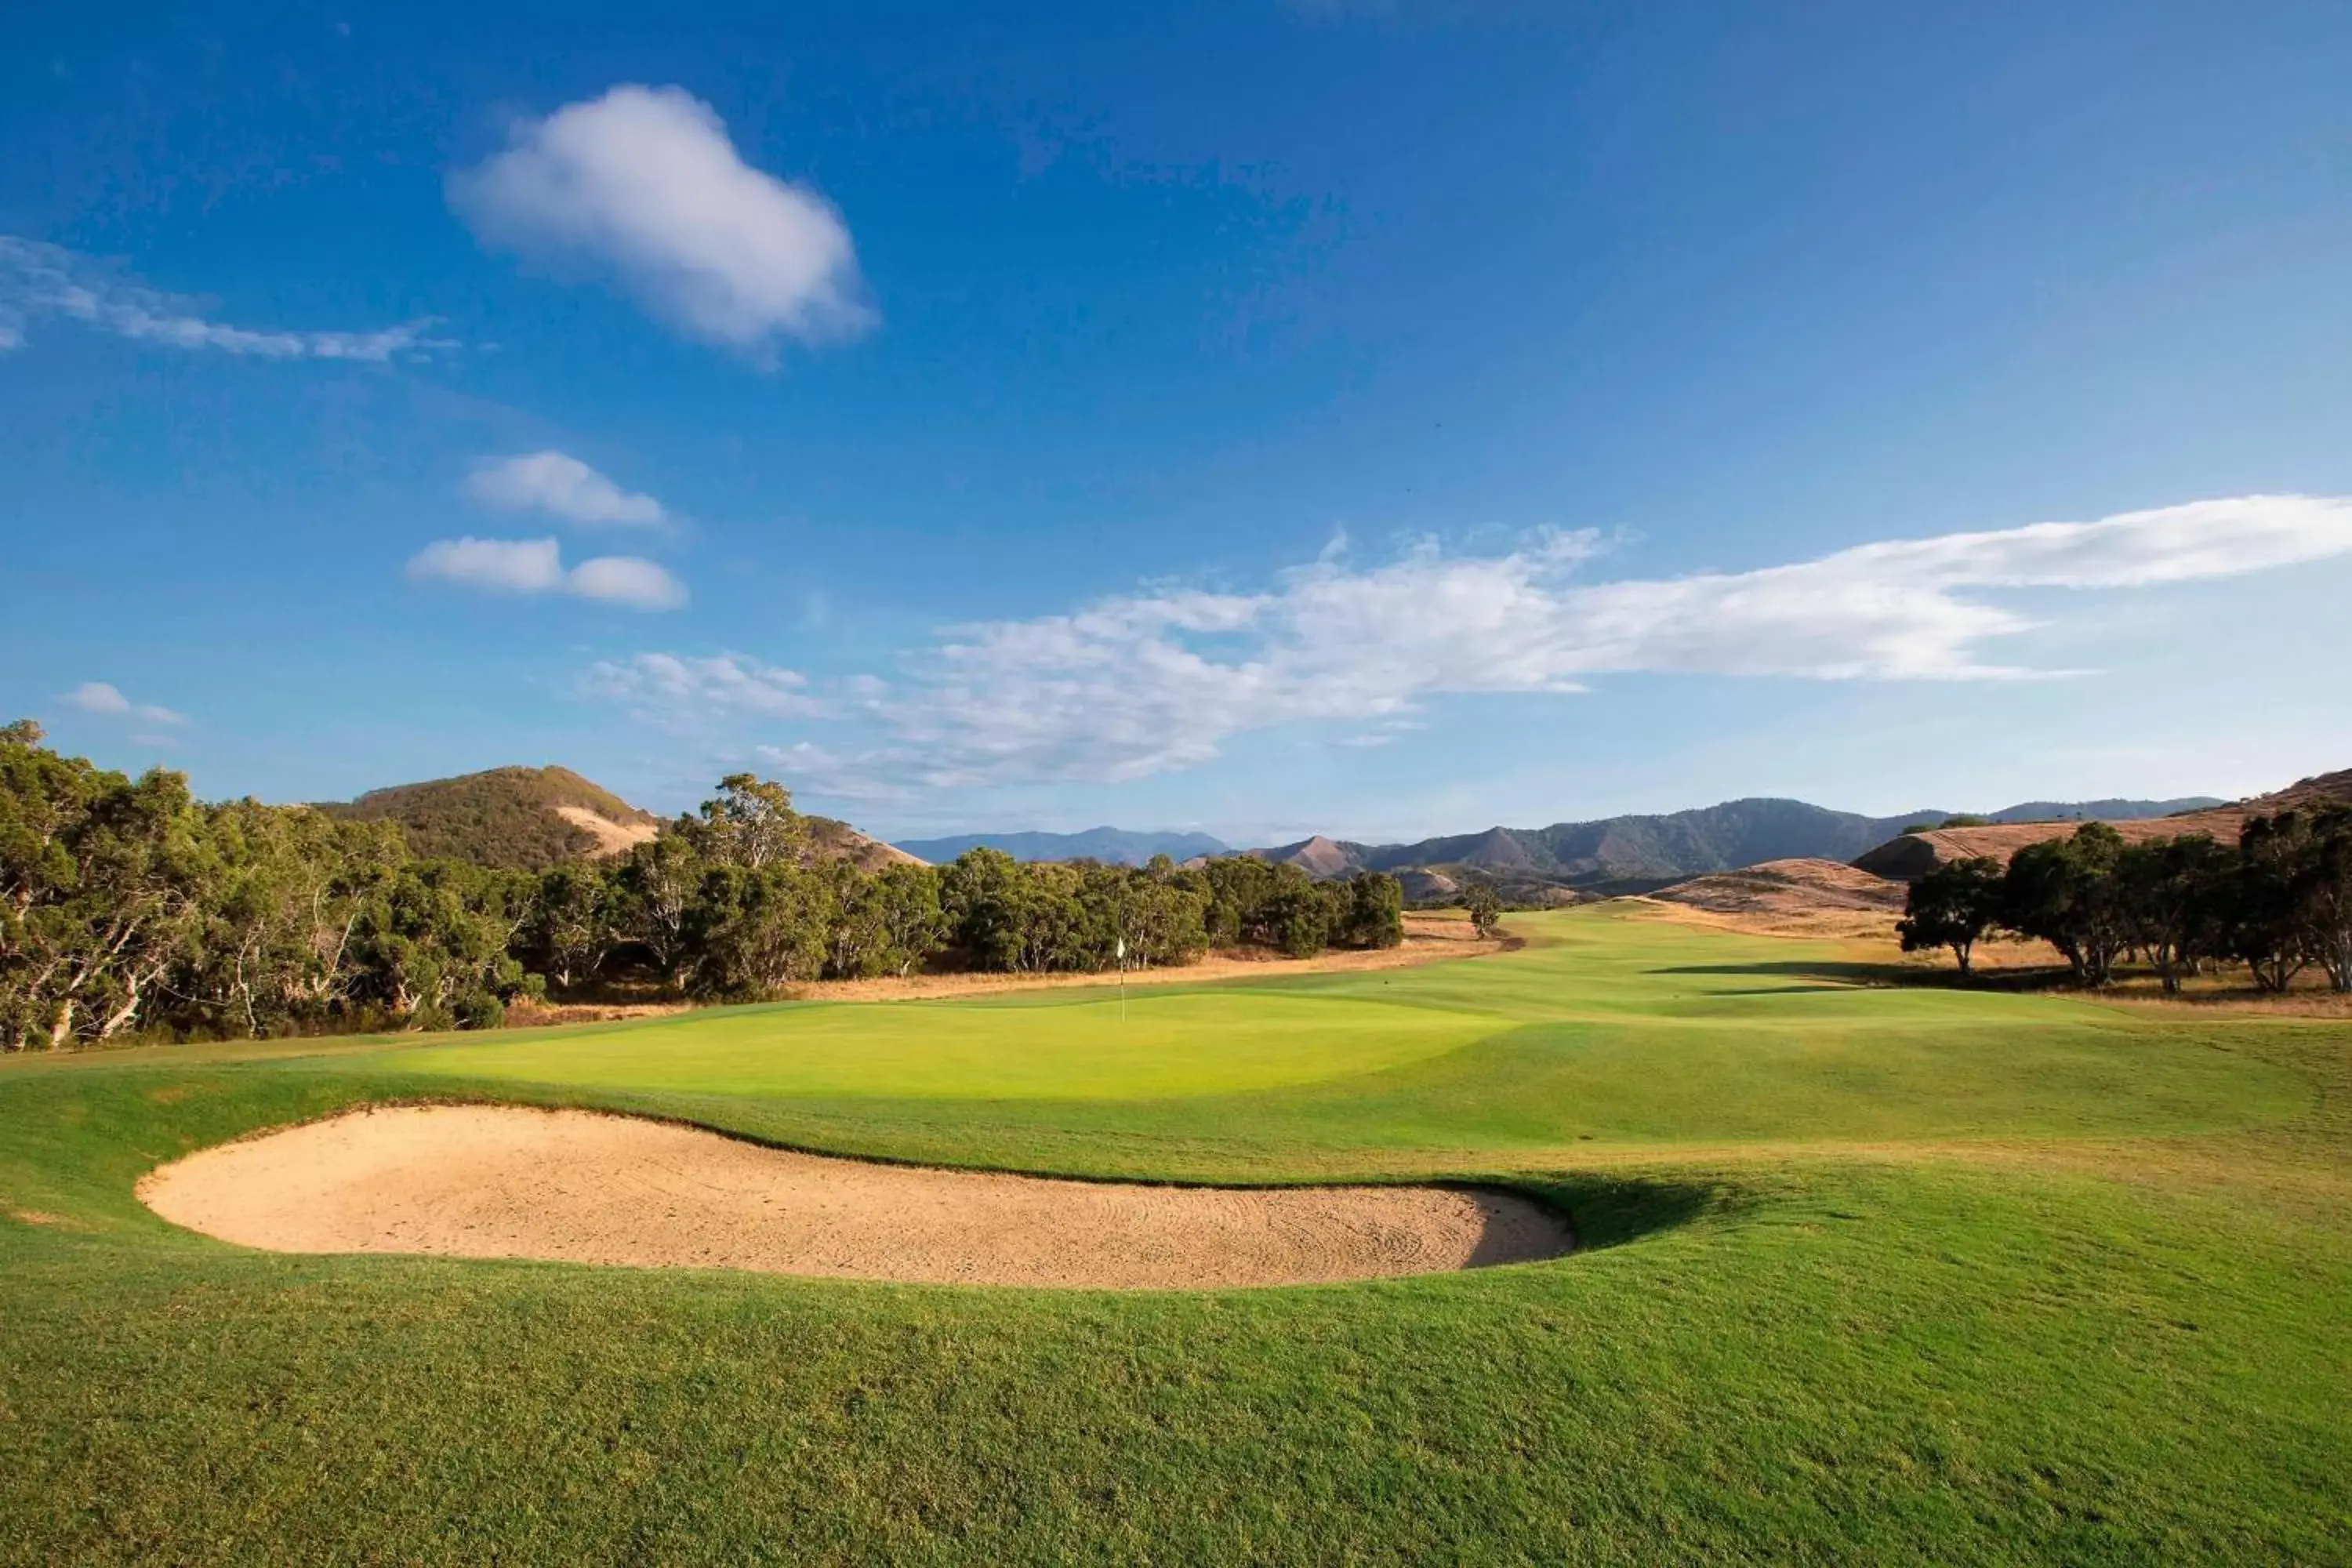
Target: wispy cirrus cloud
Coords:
[[1145, 683], [39, 282], [562, 486], [675, 689], [644, 186], [532, 566]]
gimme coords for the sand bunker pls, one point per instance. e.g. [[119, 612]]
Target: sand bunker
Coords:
[[503, 1181]]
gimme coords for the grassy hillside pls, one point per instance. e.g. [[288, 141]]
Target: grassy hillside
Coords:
[[506, 816], [1870, 1274], [516, 817], [1913, 855], [831, 839], [2112, 810]]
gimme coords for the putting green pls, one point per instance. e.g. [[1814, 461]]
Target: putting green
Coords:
[[1168, 1043]]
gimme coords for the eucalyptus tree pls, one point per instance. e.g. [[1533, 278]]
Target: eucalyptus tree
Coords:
[[2269, 920], [1485, 905], [752, 933], [1952, 906], [2063, 891], [653, 891], [574, 927], [1369, 911], [2328, 896], [2173, 895], [750, 823]]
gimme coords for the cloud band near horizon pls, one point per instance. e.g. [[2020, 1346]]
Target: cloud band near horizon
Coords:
[[1139, 684]]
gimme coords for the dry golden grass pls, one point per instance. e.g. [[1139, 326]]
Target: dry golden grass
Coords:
[[2230, 991], [612, 838], [1864, 939], [1797, 898], [2000, 840]]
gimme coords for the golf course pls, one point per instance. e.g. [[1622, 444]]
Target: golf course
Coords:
[[1868, 1266]]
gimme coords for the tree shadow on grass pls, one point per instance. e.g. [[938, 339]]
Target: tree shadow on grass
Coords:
[[1846, 973], [1608, 1210]]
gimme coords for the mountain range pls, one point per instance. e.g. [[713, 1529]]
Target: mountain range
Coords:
[[537, 817], [1628, 854], [1112, 846]]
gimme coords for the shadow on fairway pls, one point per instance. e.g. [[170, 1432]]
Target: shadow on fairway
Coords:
[[1844, 972], [1847, 972], [1610, 1211]]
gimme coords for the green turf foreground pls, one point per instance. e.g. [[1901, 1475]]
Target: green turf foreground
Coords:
[[1872, 1274]]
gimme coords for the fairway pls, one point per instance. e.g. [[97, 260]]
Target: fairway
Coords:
[[1080, 1047], [1867, 1271], [1611, 1027]]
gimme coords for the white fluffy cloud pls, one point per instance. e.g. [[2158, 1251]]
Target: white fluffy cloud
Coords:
[[668, 687], [102, 697], [1141, 684], [644, 185], [505, 566], [536, 566], [560, 485], [627, 580], [46, 281]]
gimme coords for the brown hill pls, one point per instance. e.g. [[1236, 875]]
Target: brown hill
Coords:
[[1425, 887], [534, 818], [523, 818], [1913, 855], [1320, 857], [834, 840], [1790, 897]]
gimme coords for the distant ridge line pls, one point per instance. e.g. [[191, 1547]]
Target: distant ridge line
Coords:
[[1608, 853], [1112, 846]]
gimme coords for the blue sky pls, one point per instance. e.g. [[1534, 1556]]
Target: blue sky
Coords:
[[1371, 420]]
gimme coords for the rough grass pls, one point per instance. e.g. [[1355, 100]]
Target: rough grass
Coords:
[[1871, 1274]]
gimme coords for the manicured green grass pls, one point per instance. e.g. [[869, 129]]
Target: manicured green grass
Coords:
[[1872, 1274], [1161, 1042]]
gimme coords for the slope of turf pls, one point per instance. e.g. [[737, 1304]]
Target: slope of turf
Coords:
[[1871, 1274], [1161, 1042], [1609, 1029]]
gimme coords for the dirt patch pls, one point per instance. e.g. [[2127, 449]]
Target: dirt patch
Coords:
[[504, 1182], [530, 1013], [612, 838]]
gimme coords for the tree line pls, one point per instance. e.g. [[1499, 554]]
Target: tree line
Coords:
[[128, 907], [2278, 902]]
